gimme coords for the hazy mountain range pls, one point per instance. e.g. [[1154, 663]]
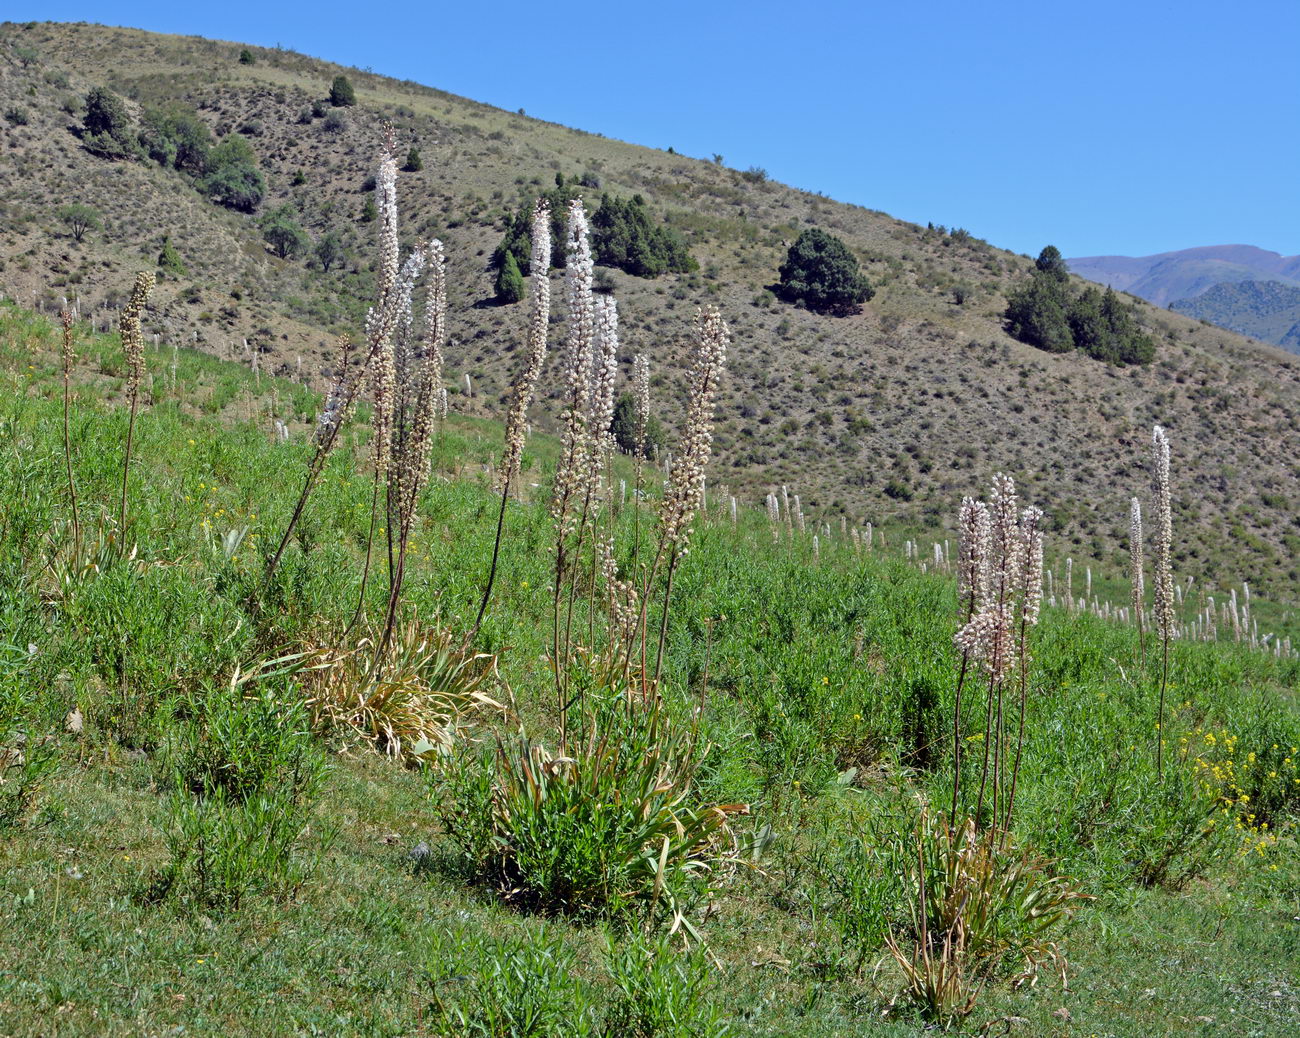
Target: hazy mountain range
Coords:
[[1239, 287]]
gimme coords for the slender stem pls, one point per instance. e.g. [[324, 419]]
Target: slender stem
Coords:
[[394, 596], [636, 506], [663, 620], [126, 462], [370, 543], [1020, 735], [555, 629], [1160, 716], [313, 472], [988, 738], [999, 751], [492, 571], [956, 736]]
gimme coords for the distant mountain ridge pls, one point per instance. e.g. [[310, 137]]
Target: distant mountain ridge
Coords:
[[1187, 273], [1265, 310], [1239, 287]]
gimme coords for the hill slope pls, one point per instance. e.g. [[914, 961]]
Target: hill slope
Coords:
[[889, 414], [1265, 310]]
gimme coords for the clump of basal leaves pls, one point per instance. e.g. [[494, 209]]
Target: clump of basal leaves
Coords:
[[611, 824], [409, 699], [245, 774], [955, 906]]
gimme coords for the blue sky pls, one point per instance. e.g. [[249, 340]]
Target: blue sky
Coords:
[[1129, 128]]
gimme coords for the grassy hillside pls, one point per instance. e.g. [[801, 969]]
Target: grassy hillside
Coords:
[[919, 394], [1267, 310], [818, 684]]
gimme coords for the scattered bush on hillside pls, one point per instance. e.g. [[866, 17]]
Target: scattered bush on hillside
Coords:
[[1105, 329], [246, 57], [16, 116], [820, 272], [330, 251], [624, 235], [624, 428], [1037, 313], [518, 239], [283, 234], [510, 282], [335, 123], [79, 218], [341, 93], [106, 126], [1044, 312], [169, 259], [413, 162], [177, 138], [233, 179]]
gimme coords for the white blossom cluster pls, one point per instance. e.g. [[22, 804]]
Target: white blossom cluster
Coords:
[[577, 360], [129, 329], [538, 323], [1137, 577], [686, 485], [641, 400], [1164, 576], [1000, 577]]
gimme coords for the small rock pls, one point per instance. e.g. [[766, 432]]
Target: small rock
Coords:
[[420, 852]]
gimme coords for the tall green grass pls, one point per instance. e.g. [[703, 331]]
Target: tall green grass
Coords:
[[823, 687]]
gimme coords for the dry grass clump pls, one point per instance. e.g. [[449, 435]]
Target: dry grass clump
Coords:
[[410, 700], [977, 904]]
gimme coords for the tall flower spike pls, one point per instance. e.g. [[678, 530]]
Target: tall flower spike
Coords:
[[339, 398], [538, 324], [129, 329], [1137, 577], [385, 374], [686, 484], [1164, 578], [577, 363], [602, 394], [1029, 564], [973, 554], [428, 380], [641, 400], [1004, 516]]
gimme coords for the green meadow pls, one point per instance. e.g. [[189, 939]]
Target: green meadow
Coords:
[[220, 813]]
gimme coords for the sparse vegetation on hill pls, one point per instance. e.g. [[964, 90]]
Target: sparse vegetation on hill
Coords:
[[921, 390], [820, 272], [1047, 313]]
